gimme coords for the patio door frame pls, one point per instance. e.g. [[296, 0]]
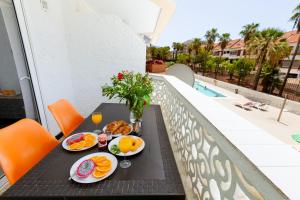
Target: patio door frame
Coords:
[[29, 54]]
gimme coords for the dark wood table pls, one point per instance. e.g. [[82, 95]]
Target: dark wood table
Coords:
[[153, 174]]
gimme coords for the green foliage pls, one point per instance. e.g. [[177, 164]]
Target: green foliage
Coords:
[[229, 67], [169, 63], [224, 40], [196, 45], [134, 88], [177, 47], [270, 78], [183, 58], [211, 37], [248, 31], [159, 53], [262, 44], [243, 67], [296, 17], [211, 63]]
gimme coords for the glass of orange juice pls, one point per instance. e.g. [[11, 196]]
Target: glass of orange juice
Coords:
[[125, 146], [96, 119]]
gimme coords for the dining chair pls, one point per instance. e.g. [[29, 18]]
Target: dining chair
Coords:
[[67, 117], [22, 145]]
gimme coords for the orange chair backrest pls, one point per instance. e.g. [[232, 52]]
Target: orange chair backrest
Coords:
[[66, 116], [22, 145]]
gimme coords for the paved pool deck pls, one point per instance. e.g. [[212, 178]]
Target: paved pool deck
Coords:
[[266, 120]]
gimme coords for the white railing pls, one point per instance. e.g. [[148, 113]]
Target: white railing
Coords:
[[211, 167]]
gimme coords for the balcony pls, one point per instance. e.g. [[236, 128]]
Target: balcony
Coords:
[[214, 158]]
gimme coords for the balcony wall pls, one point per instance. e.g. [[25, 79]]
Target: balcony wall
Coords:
[[210, 162]]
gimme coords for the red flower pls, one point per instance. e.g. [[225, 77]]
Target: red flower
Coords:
[[145, 102], [120, 76]]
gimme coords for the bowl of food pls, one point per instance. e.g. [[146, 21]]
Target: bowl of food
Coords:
[[118, 128]]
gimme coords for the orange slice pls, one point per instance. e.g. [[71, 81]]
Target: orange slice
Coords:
[[103, 169], [98, 159], [73, 146], [89, 137], [105, 163], [98, 174], [89, 143], [81, 145]]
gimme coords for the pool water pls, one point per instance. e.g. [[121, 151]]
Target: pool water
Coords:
[[207, 91]]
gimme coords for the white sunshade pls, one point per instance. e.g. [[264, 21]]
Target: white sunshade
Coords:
[[146, 17]]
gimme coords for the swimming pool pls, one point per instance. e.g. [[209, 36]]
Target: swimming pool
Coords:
[[207, 91]]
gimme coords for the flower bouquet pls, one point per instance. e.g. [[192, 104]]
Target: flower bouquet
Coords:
[[134, 88]]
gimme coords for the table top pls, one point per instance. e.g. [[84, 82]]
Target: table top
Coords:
[[153, 174]]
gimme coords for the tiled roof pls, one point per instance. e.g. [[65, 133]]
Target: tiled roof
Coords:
[[232, 44], [291, 36]]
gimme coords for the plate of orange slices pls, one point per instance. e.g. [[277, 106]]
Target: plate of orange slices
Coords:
[[126, 145], [93, 167], [80, 141]]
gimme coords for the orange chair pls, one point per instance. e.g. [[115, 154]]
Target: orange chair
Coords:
[[66, 116], [22, 145]]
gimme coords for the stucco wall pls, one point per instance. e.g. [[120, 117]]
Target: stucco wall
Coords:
[[99, 46], [47, 37], [275, 101], [76, 51]]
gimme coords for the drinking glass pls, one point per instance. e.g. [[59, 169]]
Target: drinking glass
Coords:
[[125, 148], [96, 119]]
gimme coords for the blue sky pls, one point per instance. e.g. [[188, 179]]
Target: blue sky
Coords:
[[192, 18]]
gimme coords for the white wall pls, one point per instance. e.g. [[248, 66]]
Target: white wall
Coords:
[[8, 72], [76, 51], [47, 37], [99, 46]]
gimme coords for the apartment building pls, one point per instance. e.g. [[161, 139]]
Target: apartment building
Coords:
[[236, 48]]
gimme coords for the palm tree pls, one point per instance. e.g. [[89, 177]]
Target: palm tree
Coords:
[[262, 43], [270, 71], [296, 19], [196, 44], [248, 31], [211, 37], [280, 51], [190, 48], [180, 47], [223, 42], [152, 52], [163, 53]]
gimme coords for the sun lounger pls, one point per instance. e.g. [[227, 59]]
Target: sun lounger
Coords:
[[245, 107], [261, 106]]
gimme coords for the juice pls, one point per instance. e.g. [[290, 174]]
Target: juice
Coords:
[[125, 144], [97, 118]]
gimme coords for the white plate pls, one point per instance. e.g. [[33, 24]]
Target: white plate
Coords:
[[91, 178], [119, 134], [66, 147], [130, 153]]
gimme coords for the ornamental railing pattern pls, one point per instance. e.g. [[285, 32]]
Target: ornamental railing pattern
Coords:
[[213, 167]]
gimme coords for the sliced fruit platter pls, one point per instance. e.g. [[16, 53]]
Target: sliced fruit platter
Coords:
[[94, 167], [118, 128], [80, 141], [126, 145]]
